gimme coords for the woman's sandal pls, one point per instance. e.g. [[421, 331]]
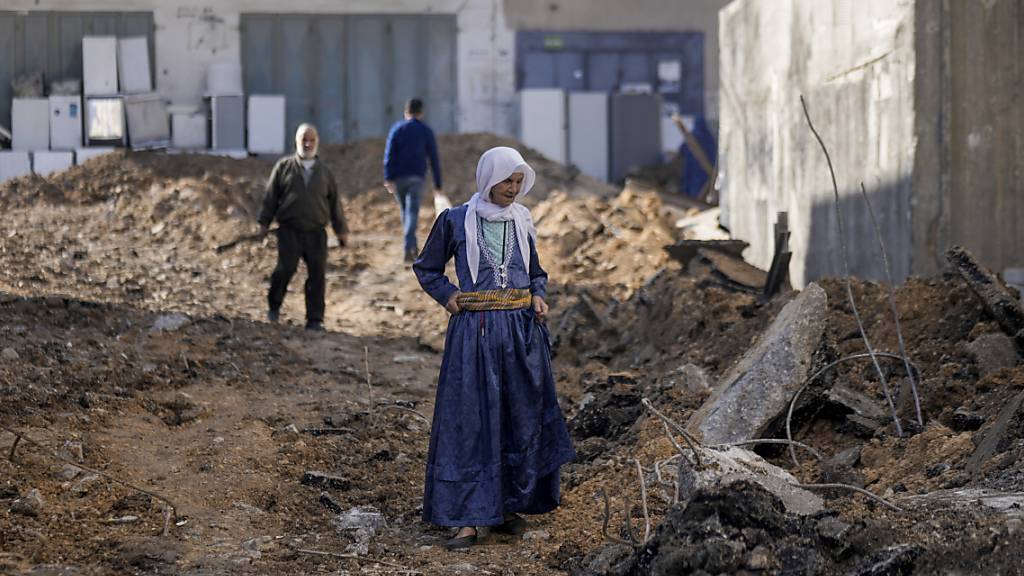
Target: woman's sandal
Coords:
[[461, 542], [513, 525]]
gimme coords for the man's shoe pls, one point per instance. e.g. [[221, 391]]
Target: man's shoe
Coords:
[[273, 316], [315, 327], [514, 524], [410, 256]]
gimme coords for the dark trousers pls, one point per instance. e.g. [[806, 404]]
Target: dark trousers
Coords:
[[311, 247]]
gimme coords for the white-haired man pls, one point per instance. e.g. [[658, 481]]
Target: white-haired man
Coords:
[[302, 196]]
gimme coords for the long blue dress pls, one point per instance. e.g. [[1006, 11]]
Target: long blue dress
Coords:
[[498, 436]]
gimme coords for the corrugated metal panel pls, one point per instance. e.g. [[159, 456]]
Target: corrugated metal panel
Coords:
[[331, 96], [7, 66], [441, 93], [299, 82], [51, 43], [351, 75], [368, 71]]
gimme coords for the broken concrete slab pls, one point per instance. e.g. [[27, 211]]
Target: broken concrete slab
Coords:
[[994, 437], [757, 390], [727, 466], [842, 395], [29, 505], [1009, 503]]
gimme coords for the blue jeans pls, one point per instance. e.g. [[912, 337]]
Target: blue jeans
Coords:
[[408, 192]]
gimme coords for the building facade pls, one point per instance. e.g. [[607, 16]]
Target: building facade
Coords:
[[346, 65]]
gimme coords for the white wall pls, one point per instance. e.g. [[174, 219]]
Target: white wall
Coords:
[[191, 35]]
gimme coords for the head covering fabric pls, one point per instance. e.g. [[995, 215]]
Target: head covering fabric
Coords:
[[495, 166]]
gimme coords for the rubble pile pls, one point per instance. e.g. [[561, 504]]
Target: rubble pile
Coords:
[[131, 346]]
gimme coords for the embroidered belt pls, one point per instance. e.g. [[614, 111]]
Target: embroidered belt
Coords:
[[511, 299]]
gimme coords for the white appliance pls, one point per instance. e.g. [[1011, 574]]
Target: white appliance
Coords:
[[65, 122], [148, 123], [99, 65], [543, 122], [30, 119], [104, 121], [588, 133], [266, 124], [45, 162], [188, 131], [227, 122], [133, 65], [14, 163]]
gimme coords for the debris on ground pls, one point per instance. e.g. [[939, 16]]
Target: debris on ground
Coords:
[[132, 347]]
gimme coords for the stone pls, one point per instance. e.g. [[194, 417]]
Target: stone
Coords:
[[896, 560], [612, 560], [30, 504], [330, 503], [255, 547], [289, 433], [10, 355], [848, 457], [366, 518], [325, 480], [760, 558], [691, 378], [725, 467], [72, 450], [993, 351], [757, 390], [170, 323], [855, 402], [832, 530], [67, 473], [537, 535], [965, 420], [84, 484]]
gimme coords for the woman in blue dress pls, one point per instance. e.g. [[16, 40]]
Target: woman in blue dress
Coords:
[[498, 436]]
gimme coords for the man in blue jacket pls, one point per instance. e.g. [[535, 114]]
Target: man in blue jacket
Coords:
[[410, 143]]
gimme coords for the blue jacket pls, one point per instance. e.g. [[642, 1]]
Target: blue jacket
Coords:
[[409, 144]]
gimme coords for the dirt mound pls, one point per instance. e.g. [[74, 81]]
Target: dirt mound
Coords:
[[127, 173], [134, 347], [358, 166]]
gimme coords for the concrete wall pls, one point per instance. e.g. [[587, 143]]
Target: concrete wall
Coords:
[[617, 15], [976, 129], [854, 61], [191, 35], [920, 99]]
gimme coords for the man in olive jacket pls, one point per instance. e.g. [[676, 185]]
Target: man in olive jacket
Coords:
[[303, 197]]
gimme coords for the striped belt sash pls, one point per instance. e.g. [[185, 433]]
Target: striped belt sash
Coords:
[[511, 299]]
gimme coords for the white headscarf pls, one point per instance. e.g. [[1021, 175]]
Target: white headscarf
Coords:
[[496, 165]]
